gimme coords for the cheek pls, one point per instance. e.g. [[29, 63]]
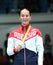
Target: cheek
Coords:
[[29, 19]]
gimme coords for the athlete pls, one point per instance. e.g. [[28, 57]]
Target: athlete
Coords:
[[26, 42]]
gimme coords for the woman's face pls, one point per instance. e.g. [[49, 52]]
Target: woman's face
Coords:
[[25, 17]]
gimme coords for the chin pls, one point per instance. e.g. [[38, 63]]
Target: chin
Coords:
[[25, 23]]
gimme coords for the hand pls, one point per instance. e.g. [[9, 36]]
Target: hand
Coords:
[[18, 47], [22, 44]]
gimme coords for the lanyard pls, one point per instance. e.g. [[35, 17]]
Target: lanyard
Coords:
[[26, 34], [24, 43]]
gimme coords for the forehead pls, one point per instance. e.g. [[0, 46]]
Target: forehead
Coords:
[[24, 11]]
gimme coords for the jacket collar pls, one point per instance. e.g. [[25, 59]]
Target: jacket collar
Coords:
[[24, 28]]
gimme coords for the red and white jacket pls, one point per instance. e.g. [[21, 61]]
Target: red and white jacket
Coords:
[[33, 42]]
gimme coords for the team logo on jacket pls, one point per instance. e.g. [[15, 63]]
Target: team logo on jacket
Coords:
[[20, 36]]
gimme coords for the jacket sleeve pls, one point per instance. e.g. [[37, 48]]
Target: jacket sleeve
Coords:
[[10, 45], [40, 48]]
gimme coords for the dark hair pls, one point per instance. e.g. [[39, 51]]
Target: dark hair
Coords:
[[47, 38], [26, 9]]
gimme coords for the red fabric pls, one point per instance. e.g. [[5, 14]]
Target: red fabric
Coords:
[[39, 33], [14, 50], [24, 27], [17, 33]]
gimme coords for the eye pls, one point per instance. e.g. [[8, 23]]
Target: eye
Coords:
[[26, 15], [22, 15]]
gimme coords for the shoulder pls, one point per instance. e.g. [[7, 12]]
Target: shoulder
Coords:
[[37, 30], [11, 34]]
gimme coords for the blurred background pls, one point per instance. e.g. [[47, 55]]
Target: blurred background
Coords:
[[13, 6], [42, 17]]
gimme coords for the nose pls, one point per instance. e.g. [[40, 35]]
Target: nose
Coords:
[[25, 17]]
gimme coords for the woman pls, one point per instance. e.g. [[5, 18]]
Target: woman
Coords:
[[26, 42]]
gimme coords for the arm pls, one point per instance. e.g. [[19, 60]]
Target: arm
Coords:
[[40, 48], [11, 49], [10, 46]]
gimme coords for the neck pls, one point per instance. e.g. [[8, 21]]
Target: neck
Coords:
[[25, 27]]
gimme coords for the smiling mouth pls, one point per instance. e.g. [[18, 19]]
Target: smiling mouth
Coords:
[[25, 20]]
